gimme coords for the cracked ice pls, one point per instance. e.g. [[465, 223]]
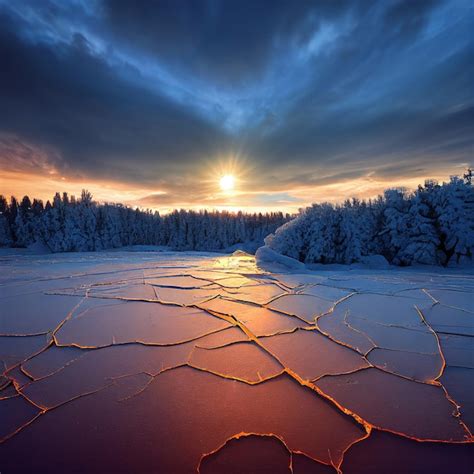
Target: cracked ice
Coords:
[[197, 362]]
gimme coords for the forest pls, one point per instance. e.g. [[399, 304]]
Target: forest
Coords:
[[432, 225], [68, 224]]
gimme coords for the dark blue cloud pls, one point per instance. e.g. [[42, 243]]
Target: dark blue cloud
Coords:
[[225, 42], [141, 91], [67, 97]]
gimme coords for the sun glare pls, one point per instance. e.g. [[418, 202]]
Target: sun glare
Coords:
[[227, 183]]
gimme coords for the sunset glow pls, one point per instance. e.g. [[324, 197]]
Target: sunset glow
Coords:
[[252, 195], [278, 126]]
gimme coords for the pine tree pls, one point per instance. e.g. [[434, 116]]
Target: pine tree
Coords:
[[5, 231]]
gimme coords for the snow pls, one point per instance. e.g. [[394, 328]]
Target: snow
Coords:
[[271, 260], [432, 226], [70, 224], [374, 261]]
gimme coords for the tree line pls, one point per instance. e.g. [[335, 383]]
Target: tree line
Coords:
[[432, 225], [68, 224]]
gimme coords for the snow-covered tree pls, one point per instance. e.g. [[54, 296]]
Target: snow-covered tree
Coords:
[[70, 224], [5, 232], [433, 225], [453, 210]]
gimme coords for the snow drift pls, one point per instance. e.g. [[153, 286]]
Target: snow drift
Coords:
[[276, 262]]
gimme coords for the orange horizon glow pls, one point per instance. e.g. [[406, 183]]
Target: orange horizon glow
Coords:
[[205, 194]]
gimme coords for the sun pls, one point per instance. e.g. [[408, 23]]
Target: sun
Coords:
[[227, 183]]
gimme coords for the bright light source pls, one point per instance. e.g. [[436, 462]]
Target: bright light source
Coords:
[[227, 182]]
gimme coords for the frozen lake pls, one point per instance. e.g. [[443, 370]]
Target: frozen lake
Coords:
[[193, 362]]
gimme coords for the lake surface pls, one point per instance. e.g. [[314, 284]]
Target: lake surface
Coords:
[[194, 362]]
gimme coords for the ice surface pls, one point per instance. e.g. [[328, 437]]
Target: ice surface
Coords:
[[325, 292], [222, 338], [179, 417], [184, 281], [458, 350], [304, 465], [148, 323], [382, 309], [259, 320], [51, 360], [389, 454], [447, 320], [15, 349], [462, 300], [396, 404], [34, 313], [136, 291], [97, 368], [15, 412], [249, 453], [258, 294], [306, 307], [459, 382], [241, 361], [336, 327], [174, 362], [413, 365], [312, 355], [186, 296]]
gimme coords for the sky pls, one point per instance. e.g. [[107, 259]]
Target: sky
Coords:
[[150, 103]]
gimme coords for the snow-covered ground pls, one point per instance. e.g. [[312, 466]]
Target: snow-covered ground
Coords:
[[177, 362]]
